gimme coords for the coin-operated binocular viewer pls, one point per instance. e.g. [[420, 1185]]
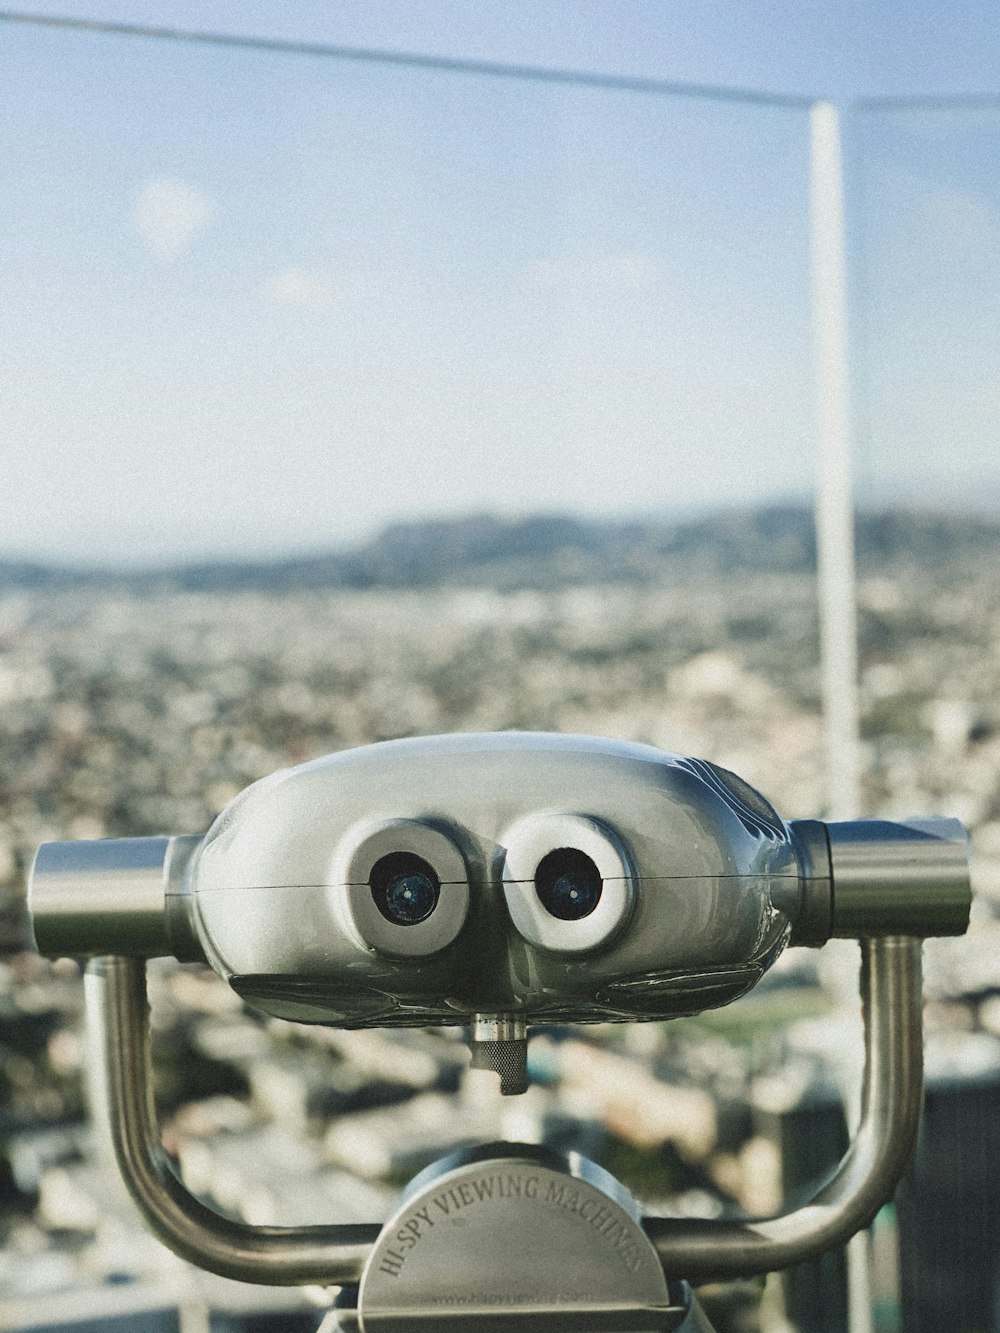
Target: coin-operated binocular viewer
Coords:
[[494, 882]]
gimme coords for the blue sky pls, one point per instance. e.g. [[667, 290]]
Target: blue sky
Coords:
[[834, 48], [255, 302], [926, 203]]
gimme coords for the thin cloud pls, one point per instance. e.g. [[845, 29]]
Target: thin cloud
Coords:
[[298, 287], [169, 213]]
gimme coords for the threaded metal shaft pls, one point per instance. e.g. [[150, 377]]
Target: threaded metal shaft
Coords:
[[500, 1043]]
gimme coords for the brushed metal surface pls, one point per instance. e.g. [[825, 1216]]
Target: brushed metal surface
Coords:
[[515, 1237], [693, 1250], [713, 885], [118, 1013], [701, 880], [702, 884], [903, 878], [500, 1044], [879, 1153], [814, 916], [111, 895], [540, 1320]]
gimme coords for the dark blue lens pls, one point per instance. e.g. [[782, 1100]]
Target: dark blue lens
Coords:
[[568, 884], [405, 888], [410, 898]]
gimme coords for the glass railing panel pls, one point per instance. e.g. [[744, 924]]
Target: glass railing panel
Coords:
[[396, 400], [926, 249], [262, 305]]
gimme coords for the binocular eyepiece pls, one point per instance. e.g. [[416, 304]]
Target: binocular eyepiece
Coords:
[[495, 881]]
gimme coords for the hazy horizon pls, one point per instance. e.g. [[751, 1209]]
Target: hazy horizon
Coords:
[[973, 508], [253, 302]]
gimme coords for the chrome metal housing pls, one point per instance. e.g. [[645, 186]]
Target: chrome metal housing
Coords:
[[701, 884]]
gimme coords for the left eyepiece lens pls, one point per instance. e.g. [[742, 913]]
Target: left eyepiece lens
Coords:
[[405, 888]]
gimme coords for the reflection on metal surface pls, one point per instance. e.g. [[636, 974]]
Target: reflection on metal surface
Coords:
[[876, 1160], [501, 1044], [694, 1250], [814, 918], [900, 878], [720, 884], [540, 1241], [118, 1013], [113, 895], [693, 877]]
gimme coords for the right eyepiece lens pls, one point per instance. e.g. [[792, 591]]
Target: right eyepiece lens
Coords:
[[568, 884], [405, 888]]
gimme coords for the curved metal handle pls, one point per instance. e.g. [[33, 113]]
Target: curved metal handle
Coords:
[[118, 1013], [879, 1154], [699, 1251]]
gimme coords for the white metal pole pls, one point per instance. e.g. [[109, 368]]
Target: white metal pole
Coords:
[[834, 498], [835, 537]]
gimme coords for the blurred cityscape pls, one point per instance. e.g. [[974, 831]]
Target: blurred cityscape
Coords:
[[143, 704]]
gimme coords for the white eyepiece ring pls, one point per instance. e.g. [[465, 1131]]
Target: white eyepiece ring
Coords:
[[400, 886], [568, 881]]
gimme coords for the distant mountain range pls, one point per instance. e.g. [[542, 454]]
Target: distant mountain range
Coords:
[[547, 550]]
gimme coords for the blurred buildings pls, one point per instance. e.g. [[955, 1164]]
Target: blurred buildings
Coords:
[[137, 710]]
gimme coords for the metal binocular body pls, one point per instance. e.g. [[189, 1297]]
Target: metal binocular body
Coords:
[[492, 882]]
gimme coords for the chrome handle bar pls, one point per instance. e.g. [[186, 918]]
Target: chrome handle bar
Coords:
[[696, 1250], [118, 1015], [874, 1163]]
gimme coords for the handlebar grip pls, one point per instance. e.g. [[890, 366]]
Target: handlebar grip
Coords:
[[900, 878], [123, 896], [867, 877]]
